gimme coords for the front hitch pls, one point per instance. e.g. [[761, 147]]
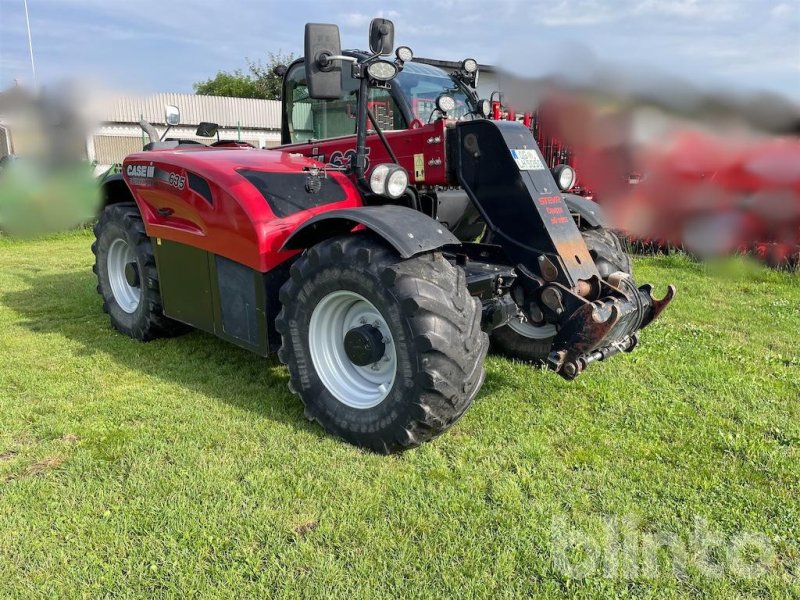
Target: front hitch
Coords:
[[601, 329]]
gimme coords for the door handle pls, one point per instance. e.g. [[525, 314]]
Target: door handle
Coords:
[[165, 212]]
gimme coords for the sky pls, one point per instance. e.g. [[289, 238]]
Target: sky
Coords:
[[167, 45]]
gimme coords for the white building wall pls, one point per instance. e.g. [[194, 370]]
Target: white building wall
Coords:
[[227, 112], [111, 143]]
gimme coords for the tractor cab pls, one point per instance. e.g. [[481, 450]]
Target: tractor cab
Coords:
[[408, 107], [418, 95]]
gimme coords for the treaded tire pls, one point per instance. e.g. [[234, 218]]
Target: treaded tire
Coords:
[[436, 329], [609, 256], [147, 322]]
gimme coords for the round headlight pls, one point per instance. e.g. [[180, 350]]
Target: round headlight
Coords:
[[404, 53], [564, 176], [388, 180], [397, 183], [382, 70], [470, 65], [485, 107], [377, 179], [445, 103]]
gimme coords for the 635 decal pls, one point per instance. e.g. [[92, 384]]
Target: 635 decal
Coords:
[[345, 158]]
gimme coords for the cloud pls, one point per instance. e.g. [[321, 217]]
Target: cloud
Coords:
[[169, 45], [781, 10], [356, 19]]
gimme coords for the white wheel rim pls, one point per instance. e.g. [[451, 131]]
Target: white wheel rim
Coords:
[[534, 332], [125, 295], [352, 385]]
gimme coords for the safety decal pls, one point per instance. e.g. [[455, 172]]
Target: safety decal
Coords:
[[419, 167]]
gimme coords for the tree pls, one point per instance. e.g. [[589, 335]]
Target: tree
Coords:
[[259, 82], [236, 84]]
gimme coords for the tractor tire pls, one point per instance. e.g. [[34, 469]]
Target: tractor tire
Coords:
[[421, 343], [529, 343], [127, 278]]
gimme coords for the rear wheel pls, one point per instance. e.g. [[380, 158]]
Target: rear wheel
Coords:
[[127, 278], [385, 353], [529, 342]]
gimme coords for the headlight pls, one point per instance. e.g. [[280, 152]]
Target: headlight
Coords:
[[485, 108], [445, 103], [565, 177], [404, 53], [397, 183], [382, 70], [388, 180], [470, 65]]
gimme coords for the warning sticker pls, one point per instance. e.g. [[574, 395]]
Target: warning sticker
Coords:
[[527, 160], [419, 167]]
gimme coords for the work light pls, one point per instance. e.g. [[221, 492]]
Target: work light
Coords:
[[565, 177], [470, 65], [404, 53], [382, 70], [388, 180], [445, 103]]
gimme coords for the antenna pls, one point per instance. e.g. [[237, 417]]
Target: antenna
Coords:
[[30, 43]]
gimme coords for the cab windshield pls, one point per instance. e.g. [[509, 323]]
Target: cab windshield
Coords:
[[421, 84]]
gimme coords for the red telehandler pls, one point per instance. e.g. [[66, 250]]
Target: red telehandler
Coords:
[[351, 249]]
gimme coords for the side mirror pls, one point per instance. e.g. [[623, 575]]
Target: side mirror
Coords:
[[381, 36], [207, 129], [172, 115], [323, 76]]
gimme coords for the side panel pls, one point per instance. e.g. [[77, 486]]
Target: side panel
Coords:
[[419, 151], [239, 300], [219, 296], [183, 273]]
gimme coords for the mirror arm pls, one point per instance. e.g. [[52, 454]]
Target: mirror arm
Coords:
[[166, 131], [340, 57]]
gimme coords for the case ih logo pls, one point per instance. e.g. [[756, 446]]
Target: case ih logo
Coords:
[[141, 171]]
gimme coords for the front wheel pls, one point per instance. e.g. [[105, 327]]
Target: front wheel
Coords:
[[385, 353]]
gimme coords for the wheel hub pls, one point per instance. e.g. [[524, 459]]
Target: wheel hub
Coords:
[[364, 345], [352, 349], [123, 275], [132, 274]]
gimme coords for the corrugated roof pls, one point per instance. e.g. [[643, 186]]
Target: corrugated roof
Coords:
[[227, 112]]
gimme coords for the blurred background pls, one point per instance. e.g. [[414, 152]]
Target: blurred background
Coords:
[[681, 118]]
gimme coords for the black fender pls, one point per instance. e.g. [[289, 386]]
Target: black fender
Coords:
[[408, 231], [589, 210], [114, 190]]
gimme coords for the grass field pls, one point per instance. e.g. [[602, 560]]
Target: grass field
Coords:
[[184, 467]]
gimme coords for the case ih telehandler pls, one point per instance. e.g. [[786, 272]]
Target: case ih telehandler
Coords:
[[350, 249]]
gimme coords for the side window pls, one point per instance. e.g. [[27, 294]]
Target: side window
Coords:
[[385, 110], [308, 118]]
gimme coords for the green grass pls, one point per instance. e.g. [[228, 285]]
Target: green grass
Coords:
[[184, 467]]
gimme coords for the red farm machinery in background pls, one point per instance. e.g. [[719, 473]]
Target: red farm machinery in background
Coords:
[[709, 193]]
